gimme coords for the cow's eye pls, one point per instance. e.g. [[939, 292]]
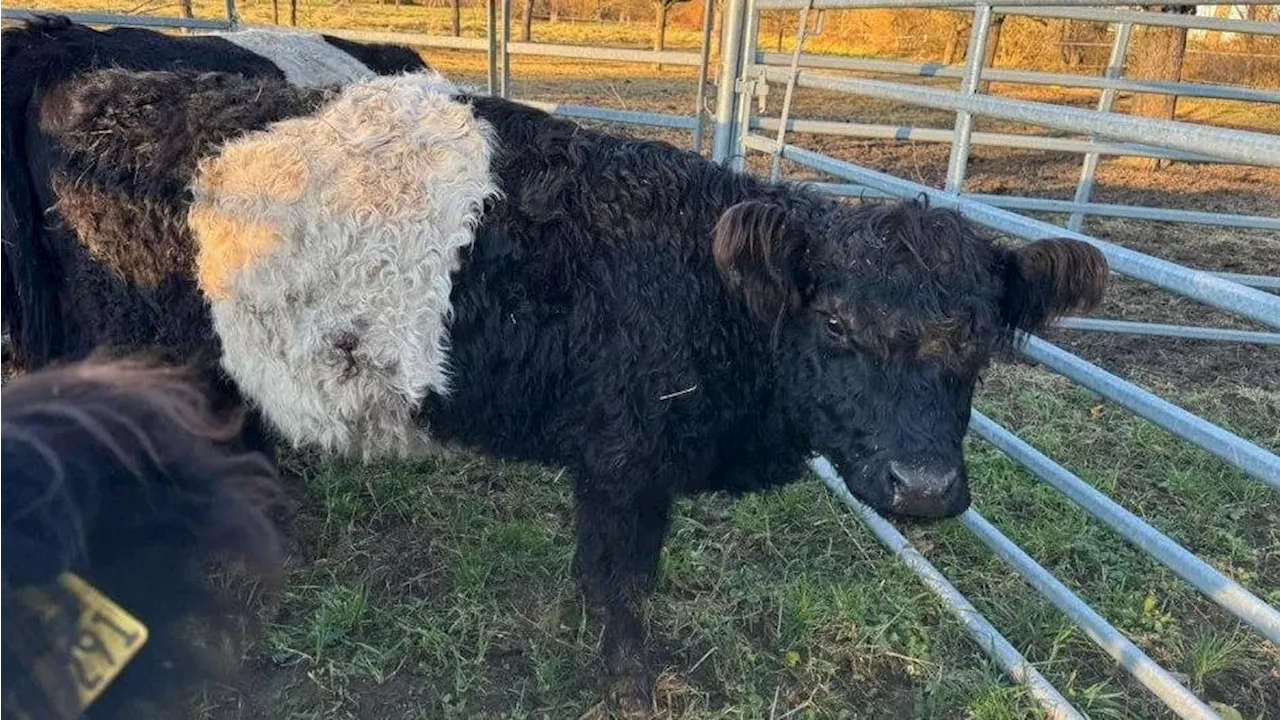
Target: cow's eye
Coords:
[[835, 328]]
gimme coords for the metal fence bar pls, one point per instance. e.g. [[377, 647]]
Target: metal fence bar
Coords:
[[630, 117], [538, 49], [1115, 68], [1129, 656], [1259, 222], [492, 37], [1006, 140], [1248, 148], [1129, 327], [746, 91], [94, 18], [1195, 284], [1045, 205], [1137, 212], [866, 4], [585, 112], [1231, 448], [733, 17], [608, 54], [1226, 592], [233, 17], [1024, 77], [704, 62], [505, 86], [477, 44], [988, 638], [1156, 19], [802, 31], [1257, 281], [958, 163]]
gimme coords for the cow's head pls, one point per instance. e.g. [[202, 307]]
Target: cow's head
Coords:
[[880, 318]]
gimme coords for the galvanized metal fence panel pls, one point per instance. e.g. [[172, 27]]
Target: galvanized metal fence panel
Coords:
[[1221, 290], [1240, 146]]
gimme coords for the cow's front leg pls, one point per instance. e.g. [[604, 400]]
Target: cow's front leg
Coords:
[[619, 543]]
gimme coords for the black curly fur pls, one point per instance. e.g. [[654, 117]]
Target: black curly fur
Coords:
[[382, 58], [124, 156], [123, 474], [37, 57], [660, 325]]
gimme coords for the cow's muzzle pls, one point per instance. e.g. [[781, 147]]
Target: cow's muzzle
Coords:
[[928, 487]]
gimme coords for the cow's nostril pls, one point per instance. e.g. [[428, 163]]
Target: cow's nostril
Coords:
[[922, 481]]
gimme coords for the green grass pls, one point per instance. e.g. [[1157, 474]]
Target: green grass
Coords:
[[441, 588]]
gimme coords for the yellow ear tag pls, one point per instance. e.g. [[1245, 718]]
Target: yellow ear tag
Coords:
[[108, 639]]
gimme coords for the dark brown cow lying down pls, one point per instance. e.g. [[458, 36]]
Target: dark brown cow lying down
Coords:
[[120, 486], [397, 263]]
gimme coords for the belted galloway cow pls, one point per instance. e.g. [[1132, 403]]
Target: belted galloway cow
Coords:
[[398, 263]]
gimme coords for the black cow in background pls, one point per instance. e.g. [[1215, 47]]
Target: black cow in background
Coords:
[[399, 252], [120, 486], [37, 56]]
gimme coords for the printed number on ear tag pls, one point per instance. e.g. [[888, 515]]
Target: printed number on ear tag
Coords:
[[108, 639]]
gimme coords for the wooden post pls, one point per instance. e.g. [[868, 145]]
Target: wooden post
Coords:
[[526, 30], [1158, 56], [660, 29], [952, 52], [293, 13], [993, 46], [457, 17]]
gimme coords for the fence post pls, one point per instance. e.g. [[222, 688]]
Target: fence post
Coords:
[[976, 57], [747, 92], [802, 32], [505, 89], [700, 99], [1115, 69], [732, 17], [233, 18], [492, 20]]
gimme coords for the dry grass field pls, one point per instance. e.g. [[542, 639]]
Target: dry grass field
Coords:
[[442, 589]]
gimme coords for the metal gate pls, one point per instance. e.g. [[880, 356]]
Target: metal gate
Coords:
[[738, 131]]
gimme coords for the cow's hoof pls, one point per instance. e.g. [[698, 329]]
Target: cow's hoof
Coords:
[[632, 696]]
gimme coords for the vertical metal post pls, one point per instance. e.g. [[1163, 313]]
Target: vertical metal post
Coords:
[[700, 99], [493, 45], [233, 17], [968, 85], [775, 167], [506, 52], [747, 91], [732, 20], [1115, 69]]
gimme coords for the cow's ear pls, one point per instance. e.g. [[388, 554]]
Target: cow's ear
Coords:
[[1046, 279], [757, 251]]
